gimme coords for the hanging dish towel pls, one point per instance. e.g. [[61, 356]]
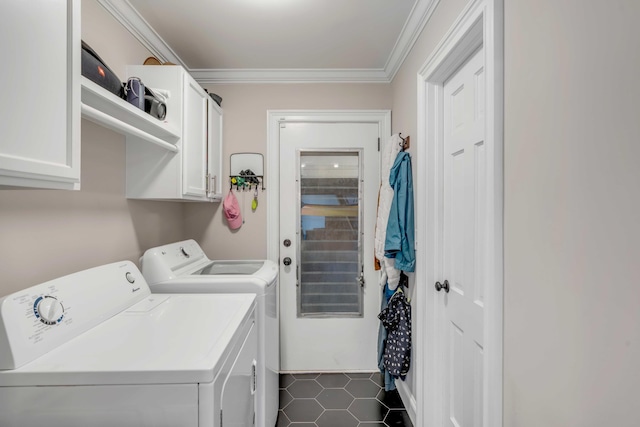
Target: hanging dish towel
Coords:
[[231, 210]]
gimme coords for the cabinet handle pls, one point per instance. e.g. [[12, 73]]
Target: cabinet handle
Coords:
[[254, 363]]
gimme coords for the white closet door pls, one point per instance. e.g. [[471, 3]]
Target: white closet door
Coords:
[[464, 244]]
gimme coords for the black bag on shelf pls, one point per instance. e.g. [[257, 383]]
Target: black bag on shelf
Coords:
[[94, 68], [134, 92], [154, 105]]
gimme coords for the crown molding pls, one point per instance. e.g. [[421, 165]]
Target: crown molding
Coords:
[[418, 18], [131, 20], [298, 75]]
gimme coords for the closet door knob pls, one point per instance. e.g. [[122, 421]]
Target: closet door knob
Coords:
[[286, 261], [440, 286]]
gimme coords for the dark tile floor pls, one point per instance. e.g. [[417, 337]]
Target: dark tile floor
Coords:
[[339, 400]]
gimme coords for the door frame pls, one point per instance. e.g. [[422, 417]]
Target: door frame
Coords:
[[480, 23], [272, 175], [277, 117]]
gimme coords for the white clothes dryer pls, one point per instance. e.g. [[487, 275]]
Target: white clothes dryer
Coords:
[[183, 267], [96, 348]]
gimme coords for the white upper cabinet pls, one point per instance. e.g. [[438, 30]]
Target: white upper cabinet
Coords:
[[214, 135], [40, 102], [194, 135], [192, 173]]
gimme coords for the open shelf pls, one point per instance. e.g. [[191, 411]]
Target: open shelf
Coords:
[[103, 107]]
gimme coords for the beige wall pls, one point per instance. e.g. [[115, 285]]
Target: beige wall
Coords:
[[45, 234], [245, 130], [405, 99], [572, 300], [115, 45], [572, 233], [48, 233]]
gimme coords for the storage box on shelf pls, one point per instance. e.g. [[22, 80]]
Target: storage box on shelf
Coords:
[[193, 172]]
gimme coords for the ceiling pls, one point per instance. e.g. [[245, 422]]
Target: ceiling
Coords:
[[277, 40]]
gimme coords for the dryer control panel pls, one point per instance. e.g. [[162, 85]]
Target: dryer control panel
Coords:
[[40, 318]]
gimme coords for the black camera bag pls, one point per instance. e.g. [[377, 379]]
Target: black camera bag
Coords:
[[154, 105], [94, 68]]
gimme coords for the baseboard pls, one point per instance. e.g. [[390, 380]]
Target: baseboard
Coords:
[[408, 399]]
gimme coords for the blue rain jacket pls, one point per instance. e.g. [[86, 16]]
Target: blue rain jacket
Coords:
[[399, 242]]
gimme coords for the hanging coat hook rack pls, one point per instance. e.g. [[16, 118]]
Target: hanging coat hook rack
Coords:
[[246, 171], [406, 142]]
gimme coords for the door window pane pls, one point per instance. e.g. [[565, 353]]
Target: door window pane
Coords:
[[330, 235]]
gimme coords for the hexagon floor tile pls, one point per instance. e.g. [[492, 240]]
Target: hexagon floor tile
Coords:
[[339, 400]]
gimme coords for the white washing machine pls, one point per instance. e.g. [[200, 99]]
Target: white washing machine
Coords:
[[183, 267], [96, 348]]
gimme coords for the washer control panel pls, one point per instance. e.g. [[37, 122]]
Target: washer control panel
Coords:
[[166, 262], [43, 317], [179, 254]]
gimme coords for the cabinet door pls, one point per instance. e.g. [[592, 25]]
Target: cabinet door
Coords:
[[214, 157], [194, 142], [40, 103]]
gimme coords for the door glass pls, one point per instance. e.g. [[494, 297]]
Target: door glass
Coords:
[[330, 235]]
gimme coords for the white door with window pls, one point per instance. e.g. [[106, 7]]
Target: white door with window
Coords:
[[329, 293], [461, 293]]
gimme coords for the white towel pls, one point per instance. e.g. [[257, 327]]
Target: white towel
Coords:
[[389, 151]]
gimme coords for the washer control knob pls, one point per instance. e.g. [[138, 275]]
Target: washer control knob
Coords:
[[130, 277], [50, 310], [185, 253]]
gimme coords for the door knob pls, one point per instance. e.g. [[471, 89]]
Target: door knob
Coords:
[[286, 261], [286, 243], [440, 286]]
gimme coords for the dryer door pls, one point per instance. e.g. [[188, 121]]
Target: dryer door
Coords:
[[238, 399]]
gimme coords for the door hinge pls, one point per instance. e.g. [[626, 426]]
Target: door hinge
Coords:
[[220, 417], [378, 144], [207, 178], [360, 279]]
